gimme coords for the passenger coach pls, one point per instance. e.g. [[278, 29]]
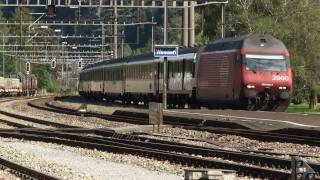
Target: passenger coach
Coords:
[[251, 72]]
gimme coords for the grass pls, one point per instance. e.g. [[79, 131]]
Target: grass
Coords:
[[302, 109]]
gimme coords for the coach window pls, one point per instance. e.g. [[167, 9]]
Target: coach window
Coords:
[[108, 74], [144, 71], [115, 74], [175, 68], [148, 71], [171, 69], [139, 71]]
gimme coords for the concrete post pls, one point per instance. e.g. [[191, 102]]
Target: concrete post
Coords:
[[115, 31], [191, 25], [152, 34], [3, 65], [185, 24], [165, 61], [222, 20], [103, 37]]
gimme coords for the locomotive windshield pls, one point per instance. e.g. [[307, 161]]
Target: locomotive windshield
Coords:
[[255, 62]]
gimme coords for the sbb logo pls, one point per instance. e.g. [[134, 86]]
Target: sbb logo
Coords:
[[280, 78]]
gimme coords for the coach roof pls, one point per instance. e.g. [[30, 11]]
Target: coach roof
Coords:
[[137, 58]]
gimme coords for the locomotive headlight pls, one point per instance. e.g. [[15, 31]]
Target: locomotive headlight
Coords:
[[282, 87], [249, 86]]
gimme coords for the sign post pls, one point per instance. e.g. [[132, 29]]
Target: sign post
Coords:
[[165, 51], [155, 114]]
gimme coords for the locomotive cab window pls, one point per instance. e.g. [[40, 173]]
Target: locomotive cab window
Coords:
[[258, 62]]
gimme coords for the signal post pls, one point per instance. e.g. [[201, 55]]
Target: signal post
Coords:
[[28, 68]]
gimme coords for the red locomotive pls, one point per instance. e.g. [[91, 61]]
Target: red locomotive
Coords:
[[251, 72]]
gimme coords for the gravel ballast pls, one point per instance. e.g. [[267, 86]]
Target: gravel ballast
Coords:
[[230, 142], [76, 163], [21, 108]]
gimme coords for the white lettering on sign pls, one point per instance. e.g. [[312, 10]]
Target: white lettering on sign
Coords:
[[163, 52], [280, 78]]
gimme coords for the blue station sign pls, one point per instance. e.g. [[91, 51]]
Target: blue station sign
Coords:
[[165, 51]]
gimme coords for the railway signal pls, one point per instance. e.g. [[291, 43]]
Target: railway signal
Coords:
[[80, 63], [28, 67], [53, 63]]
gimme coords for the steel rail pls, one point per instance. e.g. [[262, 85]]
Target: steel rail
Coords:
[[36, 120], [14, 124], [111, 138], [193, 124], [249, 170], [24, 172]]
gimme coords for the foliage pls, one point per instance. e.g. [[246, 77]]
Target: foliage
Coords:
[[46, 78], [12, 65], [302, 109]]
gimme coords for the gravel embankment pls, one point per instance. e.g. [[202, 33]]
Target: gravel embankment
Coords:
[[76, 163], [22, 108], [5, 126], [98, 107], [23, 122], [6, 175], [231, 142]]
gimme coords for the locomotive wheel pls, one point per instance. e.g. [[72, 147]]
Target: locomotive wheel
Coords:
[[281, 106], [251, 105]]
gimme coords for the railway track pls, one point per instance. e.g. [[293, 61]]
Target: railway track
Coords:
[[288, 136], [218, 145], [23, 172], [24, 118], [247, 164]]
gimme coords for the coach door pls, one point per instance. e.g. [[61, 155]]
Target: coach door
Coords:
[[175, 76]]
